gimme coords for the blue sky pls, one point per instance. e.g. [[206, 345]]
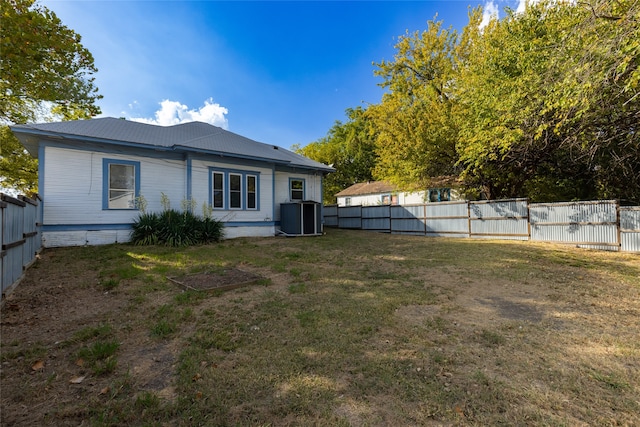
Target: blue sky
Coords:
[[277, 72]]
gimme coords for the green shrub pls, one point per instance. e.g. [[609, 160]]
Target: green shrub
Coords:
[[175, 228]]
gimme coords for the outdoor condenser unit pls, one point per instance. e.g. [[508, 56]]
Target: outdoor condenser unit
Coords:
[[301, 219]]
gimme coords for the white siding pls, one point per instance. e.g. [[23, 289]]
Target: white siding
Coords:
[[73, 186], [73, 196], [55, 239], [235, 232], [403, 198], [312, 191]]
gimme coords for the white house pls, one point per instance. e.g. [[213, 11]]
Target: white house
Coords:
[[375, 193], [91, 172]]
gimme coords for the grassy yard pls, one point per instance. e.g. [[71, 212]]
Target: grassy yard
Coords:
[[351, 328]]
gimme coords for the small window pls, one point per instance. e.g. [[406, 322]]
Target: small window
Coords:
[[218, 190], [121, 184], [252, 194], [439, 194], [386, 199], [235, 191], [296, 189], [347, 201]]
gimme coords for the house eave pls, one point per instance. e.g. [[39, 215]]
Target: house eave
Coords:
[[30, 138]]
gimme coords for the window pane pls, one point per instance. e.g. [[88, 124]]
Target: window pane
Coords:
[[121, 199], [297, 189], [217, 181], [122, 177], [122, 184], [218, 200], [218, 190], [234, 200], [234, 182], [251, 192], [235, 188], [251, 184]]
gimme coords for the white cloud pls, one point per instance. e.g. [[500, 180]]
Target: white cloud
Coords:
[[522, 5], [489, 12], [173, 113]]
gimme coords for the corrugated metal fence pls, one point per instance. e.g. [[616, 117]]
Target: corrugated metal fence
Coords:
[[597, 224], [20, 237]]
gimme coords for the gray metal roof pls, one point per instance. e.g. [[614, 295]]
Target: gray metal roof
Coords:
[[186, 137]]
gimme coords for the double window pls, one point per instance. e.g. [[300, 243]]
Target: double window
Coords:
[[121, 184], [237, 190]]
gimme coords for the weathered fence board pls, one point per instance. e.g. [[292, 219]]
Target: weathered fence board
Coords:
[[408, 219], [330, 213], [499, 219], [350, 217], [19, 237], [449, 219], [630, 229], [589, 224], [376, 218]]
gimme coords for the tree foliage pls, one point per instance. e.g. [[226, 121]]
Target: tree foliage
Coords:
[[46, 74], [415, 122], [349, 148], [542, 104]]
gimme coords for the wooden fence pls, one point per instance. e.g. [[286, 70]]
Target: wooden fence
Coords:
[[20, 238], [602, 224]]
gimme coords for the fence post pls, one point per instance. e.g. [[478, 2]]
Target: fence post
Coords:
[[619, 235]]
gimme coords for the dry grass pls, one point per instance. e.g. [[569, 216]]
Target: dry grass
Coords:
[[350, 328]]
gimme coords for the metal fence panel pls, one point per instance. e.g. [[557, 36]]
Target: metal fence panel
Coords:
[[499, 219], [376, 211], [31, 230], [449, 219], [407, 219], [19, 237], [350, 217], [376, 224], [330, 214], [589, 224], [630, 229], [596, 224], [330, 210]]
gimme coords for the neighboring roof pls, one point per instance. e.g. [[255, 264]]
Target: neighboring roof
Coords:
[[185, 137], [371, 187]]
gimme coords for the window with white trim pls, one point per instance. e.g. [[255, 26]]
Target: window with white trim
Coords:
[[296, 189], [252, 193], [121, 184], [217, 179], [235, 191]]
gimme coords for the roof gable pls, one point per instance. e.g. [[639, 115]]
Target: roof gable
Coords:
[[371, 187], [187, 137]]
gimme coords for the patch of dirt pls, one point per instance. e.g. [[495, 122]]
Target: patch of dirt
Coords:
[[226, 279], [55, 301]]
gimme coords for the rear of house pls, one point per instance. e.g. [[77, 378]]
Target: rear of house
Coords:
[[93, 174]]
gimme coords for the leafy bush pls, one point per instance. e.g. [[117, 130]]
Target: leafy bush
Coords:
[[175, 228]]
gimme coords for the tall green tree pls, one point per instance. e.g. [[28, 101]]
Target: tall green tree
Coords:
[[416, 121], [350, 148], [45, 73], [549, 105]]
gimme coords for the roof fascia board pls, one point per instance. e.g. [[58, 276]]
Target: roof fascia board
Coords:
[[59, 136], [182, 148], [113, 149]]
